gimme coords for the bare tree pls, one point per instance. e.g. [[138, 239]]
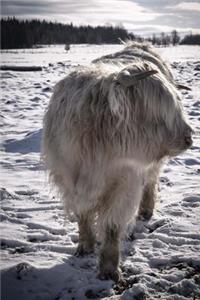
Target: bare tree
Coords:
[[175, 37]]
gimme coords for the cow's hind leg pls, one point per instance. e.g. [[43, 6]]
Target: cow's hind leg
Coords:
[[148, 201], [149, 196], [86, 241]]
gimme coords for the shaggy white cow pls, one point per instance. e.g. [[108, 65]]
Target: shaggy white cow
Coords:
[[107, 130]]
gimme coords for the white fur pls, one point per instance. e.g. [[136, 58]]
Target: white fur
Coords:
[[101, 139]]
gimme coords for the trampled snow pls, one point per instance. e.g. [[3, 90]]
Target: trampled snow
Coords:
[[160, 259]]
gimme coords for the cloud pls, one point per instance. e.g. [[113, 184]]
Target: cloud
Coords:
[[161, 5], [20, 7], [174, 14], [94, 12], [110, 7], [192, 6], [161, 15]]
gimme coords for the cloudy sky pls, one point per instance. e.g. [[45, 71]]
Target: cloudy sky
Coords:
[[141, 16]]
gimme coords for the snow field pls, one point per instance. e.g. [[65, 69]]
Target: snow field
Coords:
[[160, 258]]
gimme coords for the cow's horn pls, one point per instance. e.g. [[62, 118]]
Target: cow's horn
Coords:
[[127, 79]]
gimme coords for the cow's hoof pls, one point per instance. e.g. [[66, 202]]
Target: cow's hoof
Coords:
[[114, 275], [82, 251], [145, 215]]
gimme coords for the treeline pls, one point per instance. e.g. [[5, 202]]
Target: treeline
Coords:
[[192, 39], [173, 38], [26, 33], [165, 39]]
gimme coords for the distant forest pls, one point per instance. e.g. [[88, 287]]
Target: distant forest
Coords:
[[28, 33], [192, 39]]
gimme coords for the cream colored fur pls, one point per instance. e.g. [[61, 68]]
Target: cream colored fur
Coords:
[[104, 143]]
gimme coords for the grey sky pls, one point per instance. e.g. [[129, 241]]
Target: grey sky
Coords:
[[142, 16]]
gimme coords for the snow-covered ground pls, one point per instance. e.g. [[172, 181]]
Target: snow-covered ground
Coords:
[[160, 260]]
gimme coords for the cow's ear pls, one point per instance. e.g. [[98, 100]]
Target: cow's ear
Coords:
[[183, 87], [127, 79]]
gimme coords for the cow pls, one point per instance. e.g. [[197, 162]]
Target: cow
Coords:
[[108, 129]]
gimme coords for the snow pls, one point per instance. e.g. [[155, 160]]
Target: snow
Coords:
[[160, 258]]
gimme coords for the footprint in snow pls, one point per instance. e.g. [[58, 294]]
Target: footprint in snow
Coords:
[[166, 181], [4, 194], [157, 224], [27, 192], [192, 162], [194, 113], [22, 270], [196, 104], [191, 201]]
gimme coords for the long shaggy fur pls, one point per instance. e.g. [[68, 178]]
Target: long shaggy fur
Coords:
[[104, 142]]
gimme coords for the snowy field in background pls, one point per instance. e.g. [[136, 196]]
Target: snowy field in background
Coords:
[[161, 260]]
